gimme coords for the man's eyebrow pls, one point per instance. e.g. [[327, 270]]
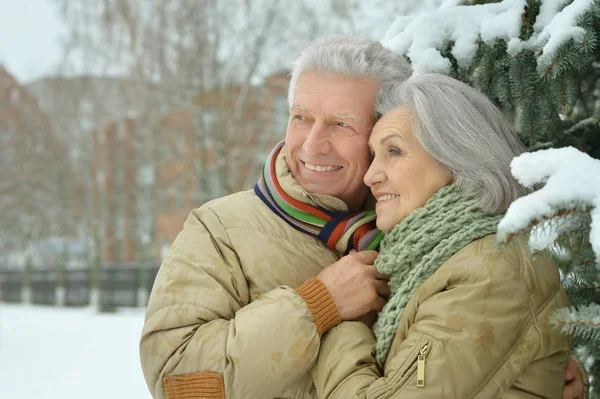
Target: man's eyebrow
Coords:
[[300, 107], [346, 116]]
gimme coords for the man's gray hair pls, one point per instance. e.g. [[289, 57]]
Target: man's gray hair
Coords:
[[465, 132], [353, 56]]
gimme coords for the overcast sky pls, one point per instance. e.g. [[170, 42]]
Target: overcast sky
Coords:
[[30, 32]]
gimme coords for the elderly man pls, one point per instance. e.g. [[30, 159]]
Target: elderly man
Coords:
[[236, 310]]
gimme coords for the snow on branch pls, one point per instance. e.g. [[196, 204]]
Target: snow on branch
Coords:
[[572, 186], [584, 321], [422, 37], [553, 28]]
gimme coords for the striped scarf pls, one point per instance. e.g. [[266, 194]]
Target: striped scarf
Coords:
[[338, 231]]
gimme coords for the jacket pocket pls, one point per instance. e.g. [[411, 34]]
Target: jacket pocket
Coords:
[[416, 362]]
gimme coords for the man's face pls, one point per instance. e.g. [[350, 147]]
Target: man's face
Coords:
[[327, 135]]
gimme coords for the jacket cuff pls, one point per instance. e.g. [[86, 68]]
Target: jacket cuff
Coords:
[[205, 385], [320, 304]]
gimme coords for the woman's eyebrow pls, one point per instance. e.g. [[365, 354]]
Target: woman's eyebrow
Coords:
[[389, 136]]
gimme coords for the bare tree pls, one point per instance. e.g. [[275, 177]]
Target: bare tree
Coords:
[[209, 58]]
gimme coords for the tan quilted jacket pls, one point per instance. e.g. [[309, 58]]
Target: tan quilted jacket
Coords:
[[224, 318], [477, 328]]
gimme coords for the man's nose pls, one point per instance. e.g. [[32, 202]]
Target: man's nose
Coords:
[[317, 141]]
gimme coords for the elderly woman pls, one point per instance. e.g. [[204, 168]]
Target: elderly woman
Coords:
[[465, 319]]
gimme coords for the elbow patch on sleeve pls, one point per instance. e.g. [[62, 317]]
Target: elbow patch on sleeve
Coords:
[[208, 385]]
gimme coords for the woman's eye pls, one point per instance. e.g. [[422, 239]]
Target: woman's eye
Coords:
[[395, 152]]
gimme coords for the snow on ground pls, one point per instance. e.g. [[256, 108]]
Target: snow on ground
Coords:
[[53, 353]]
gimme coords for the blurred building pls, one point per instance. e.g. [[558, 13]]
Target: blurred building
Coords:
[[214, 147], [116, 186], [147, 174], [108, 123], [41, 192]]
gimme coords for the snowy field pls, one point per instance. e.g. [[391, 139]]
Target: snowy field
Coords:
[[50, 353]]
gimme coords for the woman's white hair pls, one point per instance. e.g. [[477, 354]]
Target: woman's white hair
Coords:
[[465, 132], [353, 56]]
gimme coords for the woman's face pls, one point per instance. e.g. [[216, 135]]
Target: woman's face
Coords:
[[403, 176]]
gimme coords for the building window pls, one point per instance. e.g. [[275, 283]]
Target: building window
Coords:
[[179, 194], [164, 200], [206, 126], [280, 115], [164, 247], [180, 144], [165, 151], [100, 178], [145, 175], [211, 122]]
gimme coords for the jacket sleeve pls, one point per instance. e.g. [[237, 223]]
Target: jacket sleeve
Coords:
[[203, 337], [467, 330]]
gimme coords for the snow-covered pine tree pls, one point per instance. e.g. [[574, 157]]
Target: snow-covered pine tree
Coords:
[[563, 218], [540, 62]]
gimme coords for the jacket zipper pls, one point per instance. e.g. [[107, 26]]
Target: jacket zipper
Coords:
[[421, 366]]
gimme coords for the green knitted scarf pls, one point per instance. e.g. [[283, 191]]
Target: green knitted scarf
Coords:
[[417, 246]]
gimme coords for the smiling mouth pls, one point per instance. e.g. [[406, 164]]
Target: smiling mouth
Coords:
[[319, 168], [387, 197]]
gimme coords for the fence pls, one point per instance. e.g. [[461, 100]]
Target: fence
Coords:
[[119, 285]]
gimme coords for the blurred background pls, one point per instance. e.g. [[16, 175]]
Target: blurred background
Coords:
[[117, 117]]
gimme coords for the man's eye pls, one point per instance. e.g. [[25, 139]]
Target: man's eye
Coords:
[[299, 117], [342, 124]]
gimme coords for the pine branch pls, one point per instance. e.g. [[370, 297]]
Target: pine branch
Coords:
[[561, 213], [582, 323], [580, 291]]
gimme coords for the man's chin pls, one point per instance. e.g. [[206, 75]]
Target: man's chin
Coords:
[[320, 188]]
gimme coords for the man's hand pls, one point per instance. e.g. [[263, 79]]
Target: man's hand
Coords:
[[573, 380], [355, 285], [368, 319]]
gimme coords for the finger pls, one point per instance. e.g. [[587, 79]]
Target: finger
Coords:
[[379, 276], [382, 288], [577, 387], [568, 392], [569, 375], [367, 257], [571, 368], [378, 304]]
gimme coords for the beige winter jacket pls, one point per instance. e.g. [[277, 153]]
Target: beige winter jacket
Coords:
[[224, 318], [480, 324]]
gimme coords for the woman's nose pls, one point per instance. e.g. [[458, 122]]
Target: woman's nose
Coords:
[[375, 174]]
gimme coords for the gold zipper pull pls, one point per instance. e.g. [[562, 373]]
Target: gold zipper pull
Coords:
[[421, 366]]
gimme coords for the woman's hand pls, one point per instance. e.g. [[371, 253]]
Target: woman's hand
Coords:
[[573, 380]]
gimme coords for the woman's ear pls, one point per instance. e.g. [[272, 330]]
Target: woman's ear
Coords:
[[449, 173]]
